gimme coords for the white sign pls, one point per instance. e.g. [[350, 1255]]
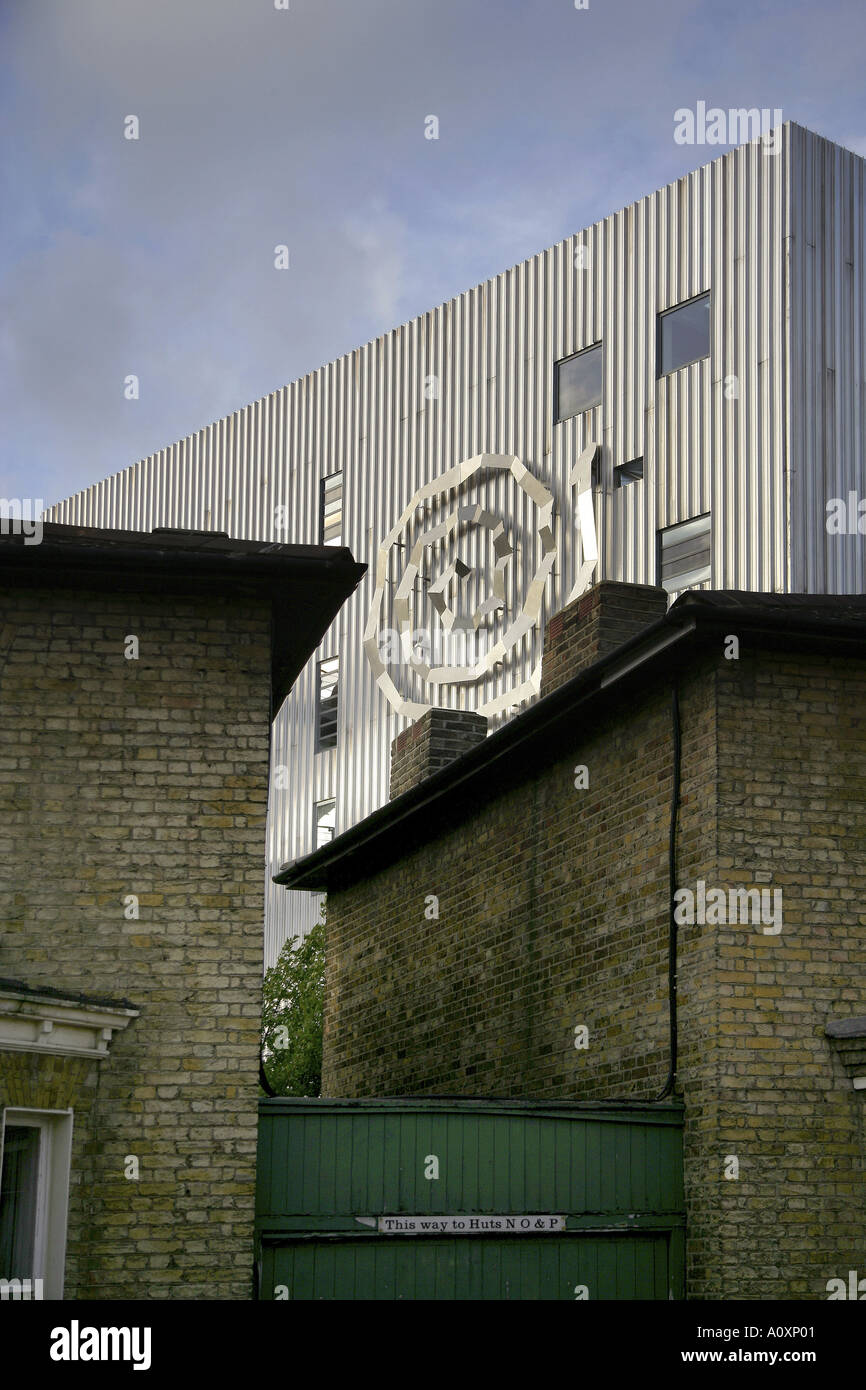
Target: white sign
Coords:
[[523, 1225]]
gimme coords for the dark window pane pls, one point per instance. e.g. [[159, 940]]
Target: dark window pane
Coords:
[[18, 1196], [626, 473], [577, 383], [685, 334], [328, 723], [328, 696]]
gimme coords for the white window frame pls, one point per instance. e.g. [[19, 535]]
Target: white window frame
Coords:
[[331, 506], [52, 1193], [692, 528], [322, 679], [330, 801]]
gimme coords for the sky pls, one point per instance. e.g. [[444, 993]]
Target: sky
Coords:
[[306, 126]]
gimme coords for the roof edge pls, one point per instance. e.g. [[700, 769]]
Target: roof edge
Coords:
[[694, 618]]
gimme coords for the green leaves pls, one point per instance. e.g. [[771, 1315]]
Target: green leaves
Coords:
[[292, 1010]]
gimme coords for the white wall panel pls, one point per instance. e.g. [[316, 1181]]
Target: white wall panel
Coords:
[[827, 388]]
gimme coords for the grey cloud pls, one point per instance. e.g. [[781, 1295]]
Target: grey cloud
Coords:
[[260, 126]]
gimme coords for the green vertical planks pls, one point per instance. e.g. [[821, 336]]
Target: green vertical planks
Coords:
[[614, 1267], [613, 1171]]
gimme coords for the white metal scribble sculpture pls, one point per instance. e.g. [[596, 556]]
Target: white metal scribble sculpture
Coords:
[[475, 514]]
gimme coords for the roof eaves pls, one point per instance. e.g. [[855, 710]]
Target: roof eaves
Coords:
[[18, 989], [695, 616], [318, 870]]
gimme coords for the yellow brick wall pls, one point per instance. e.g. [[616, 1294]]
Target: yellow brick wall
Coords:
[[553, 911], [792, 792], [145, 777]]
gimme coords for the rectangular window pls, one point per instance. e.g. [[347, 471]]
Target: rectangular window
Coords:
[[331, 510], [326, 821], [685, 554], [683, 334], [625, 473], [18, 1200], [577, 383], [328, 694], [34, 1193]]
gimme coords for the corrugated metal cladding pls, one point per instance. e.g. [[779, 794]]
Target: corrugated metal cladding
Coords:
[[827, 379], [757, 434], [329, 1170]]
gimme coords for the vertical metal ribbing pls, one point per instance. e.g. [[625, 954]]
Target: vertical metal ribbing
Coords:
[[779, 241]]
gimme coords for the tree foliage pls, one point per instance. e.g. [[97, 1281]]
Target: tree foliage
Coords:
[[292, 1011]]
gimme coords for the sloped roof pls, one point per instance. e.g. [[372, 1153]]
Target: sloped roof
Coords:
[[537, 736], [307, 584]]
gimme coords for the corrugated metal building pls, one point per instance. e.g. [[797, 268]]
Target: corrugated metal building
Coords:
[[480, 456]]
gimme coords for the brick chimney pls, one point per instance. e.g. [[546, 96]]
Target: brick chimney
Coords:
[[595, 624], [435, 740]]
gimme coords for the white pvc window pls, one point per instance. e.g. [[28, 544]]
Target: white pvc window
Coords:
[[685, 554], [35, 1148], [326, 821], [331, 510], [328, 702]]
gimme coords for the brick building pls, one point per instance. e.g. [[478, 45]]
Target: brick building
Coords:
[[139, 674], [685, 803]]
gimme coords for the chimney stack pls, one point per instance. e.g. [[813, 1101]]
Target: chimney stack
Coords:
[[595, 624], [436, 739]]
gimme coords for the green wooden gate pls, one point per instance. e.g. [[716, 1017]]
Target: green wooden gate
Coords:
[[469, 1199]]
